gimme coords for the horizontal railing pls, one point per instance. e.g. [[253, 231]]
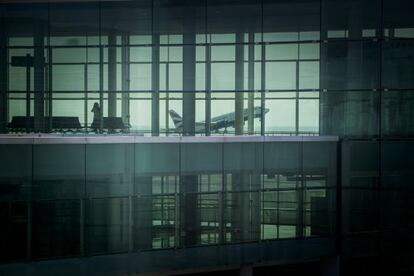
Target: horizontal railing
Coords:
[[130, 139]]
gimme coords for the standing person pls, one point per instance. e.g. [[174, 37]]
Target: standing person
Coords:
[[96, 109]]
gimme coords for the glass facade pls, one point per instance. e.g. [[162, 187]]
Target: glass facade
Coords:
[[105, 69], [85, 199], [315, 67], [138, 60]]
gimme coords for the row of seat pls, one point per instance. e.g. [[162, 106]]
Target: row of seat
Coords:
[[65, 123]]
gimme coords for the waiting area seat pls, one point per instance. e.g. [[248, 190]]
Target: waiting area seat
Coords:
[[111, 124], [60, 123]]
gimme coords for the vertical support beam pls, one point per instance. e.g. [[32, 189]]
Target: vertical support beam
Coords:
[[189, 211], [239, 95], [250, 84], [39, 79], [85, 93], [263, 91], [189, 96], [112, 74], [3, 79], [300, 190], [208, 87], [189, 66], [101, 86], [324, 106], [47, 69], [190, 218], [125, 80], [28, 81], [50, 89], [155, 70], [297, 96], [167, 95]]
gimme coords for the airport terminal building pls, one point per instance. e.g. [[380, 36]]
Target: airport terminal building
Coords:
[[179, 137]]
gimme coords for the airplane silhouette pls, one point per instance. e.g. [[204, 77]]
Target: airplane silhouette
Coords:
[[217, 123]]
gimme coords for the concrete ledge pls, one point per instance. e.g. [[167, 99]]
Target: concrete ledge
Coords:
[[132, 139]]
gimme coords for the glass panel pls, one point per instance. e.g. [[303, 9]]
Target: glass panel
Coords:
[[309, 116], [56, 228], [130, 17], [223, 53], [109, 170], [140, 116], [24, 22], [281, 75], [230, 17], [223, 76], [67, 29], [186, 17], [350, 113], [107, 225], [298, 20], [282, 51], [359, 211], [13, 231], [58, 171], [208, 230], [398, 19], [397, 164], [350, 65], [201, 169], [397, 111], [282, 213], [156, 168], [156, 222], [281, 118], [140, 76], [360, 164], [309, 75], [243, 165], [353, 18], [397, 65], [320, 181], [15, 172]]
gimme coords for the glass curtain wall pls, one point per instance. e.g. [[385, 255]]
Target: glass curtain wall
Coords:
[[207, 67], [67, 200], [161, 67], [366, 96]]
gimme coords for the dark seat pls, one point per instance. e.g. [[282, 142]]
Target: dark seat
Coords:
[[58, 122], [21, 122], [61, 122], [110, 123]]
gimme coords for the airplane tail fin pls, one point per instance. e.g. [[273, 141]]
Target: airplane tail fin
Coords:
[[177, 119]]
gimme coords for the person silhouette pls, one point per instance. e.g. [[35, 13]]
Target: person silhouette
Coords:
[[96, 109]]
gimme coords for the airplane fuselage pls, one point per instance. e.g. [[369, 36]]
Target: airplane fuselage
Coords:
[[218, 122]]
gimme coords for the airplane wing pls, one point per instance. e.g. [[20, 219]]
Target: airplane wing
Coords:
[[221, 124]]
